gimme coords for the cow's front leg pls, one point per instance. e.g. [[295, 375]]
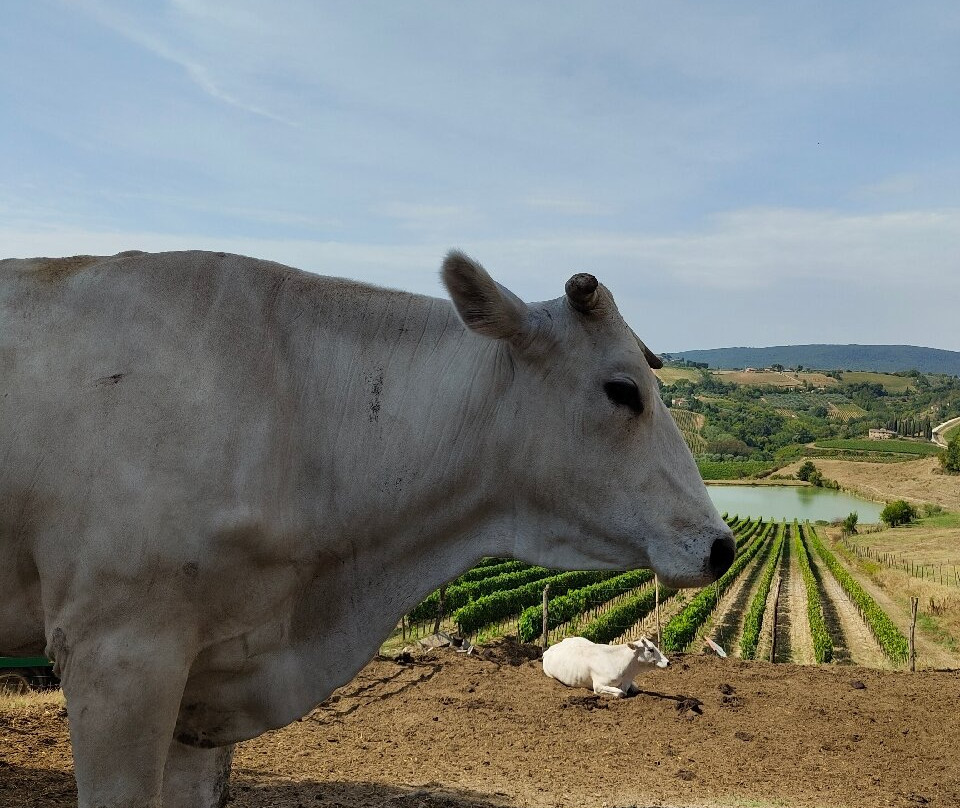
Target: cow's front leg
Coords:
[[196, 778], [607, 690], [123, 693]]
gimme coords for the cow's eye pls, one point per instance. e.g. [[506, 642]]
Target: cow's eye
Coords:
[[625, 393]]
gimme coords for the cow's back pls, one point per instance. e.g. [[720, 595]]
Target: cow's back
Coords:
[[570, 662]]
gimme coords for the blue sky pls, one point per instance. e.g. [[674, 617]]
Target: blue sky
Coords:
[[736, 173]]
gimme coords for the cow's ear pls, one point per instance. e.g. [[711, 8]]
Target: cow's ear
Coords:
[[483, 304]]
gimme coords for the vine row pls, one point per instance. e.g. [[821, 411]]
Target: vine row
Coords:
[[891, 639], [822, 644], [564, 607], [681, 630], [505, 603], [753, 622]]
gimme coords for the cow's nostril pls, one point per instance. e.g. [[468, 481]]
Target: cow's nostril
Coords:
[[721, 555]]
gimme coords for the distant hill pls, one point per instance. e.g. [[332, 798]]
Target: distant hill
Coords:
[[882, 358]]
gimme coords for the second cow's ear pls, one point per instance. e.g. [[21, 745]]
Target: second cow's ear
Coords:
[[483, 304]]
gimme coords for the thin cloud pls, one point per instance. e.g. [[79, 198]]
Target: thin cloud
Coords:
[[131, 28]]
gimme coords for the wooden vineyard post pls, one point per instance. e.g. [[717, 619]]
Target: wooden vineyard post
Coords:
[[546, 622], [776, 608], [656, 604], [914, 604], [440, 606]]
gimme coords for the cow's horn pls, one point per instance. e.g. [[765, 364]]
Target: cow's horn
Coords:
[[582, 292]]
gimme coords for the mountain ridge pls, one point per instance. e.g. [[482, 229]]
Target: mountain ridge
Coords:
[[829, 356]]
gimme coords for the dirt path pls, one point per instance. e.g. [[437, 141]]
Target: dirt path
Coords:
[[726, 625], [853, 644], [794, 641], [448, 730], [765, 640]]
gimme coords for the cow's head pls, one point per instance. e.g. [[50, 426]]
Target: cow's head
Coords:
[[648, 653], [600, 476]]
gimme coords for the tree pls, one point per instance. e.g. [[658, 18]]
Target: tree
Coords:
[[898, 512], [849, 525], [806, 469], [950, 457]]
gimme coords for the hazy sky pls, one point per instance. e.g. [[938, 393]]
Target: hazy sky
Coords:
[[738, 173]]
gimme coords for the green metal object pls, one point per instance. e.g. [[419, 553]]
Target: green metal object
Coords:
[[24, 662]]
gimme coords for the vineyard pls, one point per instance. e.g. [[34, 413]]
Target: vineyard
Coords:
[[690, 424], [787, 597], [903, 447]]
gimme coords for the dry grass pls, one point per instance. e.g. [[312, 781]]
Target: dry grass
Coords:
[[917, 481], [938, 616], [13, 704], [669, 375], [920, 543], [786, 379]]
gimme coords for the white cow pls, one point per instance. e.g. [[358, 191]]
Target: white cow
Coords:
[[223, 481], [605, 669]]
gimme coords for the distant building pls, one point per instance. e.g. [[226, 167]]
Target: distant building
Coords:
[[881, 434], [680, 403]]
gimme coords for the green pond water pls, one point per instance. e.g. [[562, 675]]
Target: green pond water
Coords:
[[791, 502]]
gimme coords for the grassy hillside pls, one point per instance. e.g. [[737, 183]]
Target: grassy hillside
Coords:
[[748, 424], [888, 358]]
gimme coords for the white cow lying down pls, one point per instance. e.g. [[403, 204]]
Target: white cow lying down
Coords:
[[608, 669]]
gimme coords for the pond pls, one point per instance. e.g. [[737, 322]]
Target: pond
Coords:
[[791, 502]]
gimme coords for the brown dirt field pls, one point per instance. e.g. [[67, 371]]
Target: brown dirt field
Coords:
[[775, 378], [914, 480], [448, 730]]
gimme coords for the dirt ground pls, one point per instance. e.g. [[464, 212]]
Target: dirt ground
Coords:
[[917, 481], [450, 730]]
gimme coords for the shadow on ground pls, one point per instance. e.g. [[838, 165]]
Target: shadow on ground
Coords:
[[41, 788], [247, 794]]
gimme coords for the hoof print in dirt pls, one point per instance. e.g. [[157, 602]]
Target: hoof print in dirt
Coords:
[[743, 736], [856, 684], [731, 702], [588, 702], [727, 690], [686, 774], [689, 707]]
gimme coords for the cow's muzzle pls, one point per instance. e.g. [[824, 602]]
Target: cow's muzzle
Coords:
[[721, 555]]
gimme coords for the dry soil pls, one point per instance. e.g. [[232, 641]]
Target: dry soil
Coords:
[[450, 730]]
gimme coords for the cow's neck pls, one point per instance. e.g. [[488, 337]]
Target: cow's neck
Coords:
[[404, 465]]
